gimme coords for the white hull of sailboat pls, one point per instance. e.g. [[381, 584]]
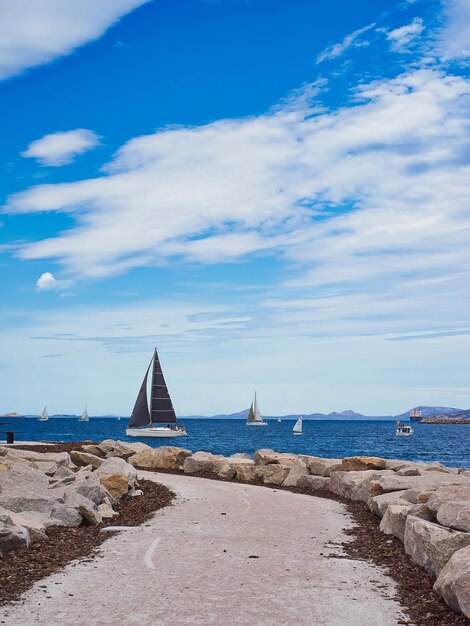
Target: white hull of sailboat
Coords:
[[257, 423], [43, 419], [80, 420], [298, 434], [156, 433]]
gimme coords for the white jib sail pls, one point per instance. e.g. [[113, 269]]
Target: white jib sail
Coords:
[[44, 415], [298, 426], [256, 410], [84, 417]]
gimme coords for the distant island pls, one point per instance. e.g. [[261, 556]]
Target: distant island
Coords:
[[423, 414]]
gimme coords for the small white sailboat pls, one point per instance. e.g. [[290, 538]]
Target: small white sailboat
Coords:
[[85, 417], [160, 420], [254, 416], [403, 430], [279, 419], [44, 417], [298, 427]]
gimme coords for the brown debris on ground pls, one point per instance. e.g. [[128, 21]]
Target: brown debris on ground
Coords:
[[20, 569]]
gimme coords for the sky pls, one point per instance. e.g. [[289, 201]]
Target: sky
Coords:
[[273, 193]]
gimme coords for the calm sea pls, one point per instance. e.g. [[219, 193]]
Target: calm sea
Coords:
[[449, 444]]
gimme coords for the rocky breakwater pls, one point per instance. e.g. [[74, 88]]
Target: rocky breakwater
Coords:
[[425, 505], [40, 490]]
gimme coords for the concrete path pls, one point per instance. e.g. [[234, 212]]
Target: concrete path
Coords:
[[191, 565]]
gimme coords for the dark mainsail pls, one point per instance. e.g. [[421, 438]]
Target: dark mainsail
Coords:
[[161, 407], [140, 415]]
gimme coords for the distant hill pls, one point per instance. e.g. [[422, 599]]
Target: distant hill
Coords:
[[339, 415], [348, 414]]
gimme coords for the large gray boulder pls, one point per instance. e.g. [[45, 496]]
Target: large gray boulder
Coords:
[[314, 483], [453, 582], [61, 458], [355, 485], [249, 473], [267, 456], [447, 494], [25, 489], [393, 521], [88, 485], [117, 476], [201, 462], [34, 522], [322, 467], [362, 463], [164, 457], [431, 545], [274, 473], [379, 504], [124, 449], [81, 459], [391, 481], [417, 496], [86, 508], [297, 470], [12, 536], [455, 514]]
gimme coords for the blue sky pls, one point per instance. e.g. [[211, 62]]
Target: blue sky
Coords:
[[274, 193]]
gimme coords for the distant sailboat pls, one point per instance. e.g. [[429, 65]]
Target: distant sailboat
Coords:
[[44, 415], [85, 417], [298, 426], [254, 416], [279, 419], [161, 420]]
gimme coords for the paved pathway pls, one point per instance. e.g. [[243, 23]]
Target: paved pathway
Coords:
[[191, 564]]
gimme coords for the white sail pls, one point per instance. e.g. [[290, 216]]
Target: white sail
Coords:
[[256, 410], [84, 417], [298, 426], [44, 415]]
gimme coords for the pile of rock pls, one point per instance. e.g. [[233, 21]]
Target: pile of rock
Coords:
[[40, 490], [425, 505]]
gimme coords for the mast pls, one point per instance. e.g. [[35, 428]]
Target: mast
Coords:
[[161, 406], [140, 415]]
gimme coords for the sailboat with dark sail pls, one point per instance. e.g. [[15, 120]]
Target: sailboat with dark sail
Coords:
[[160, 420]]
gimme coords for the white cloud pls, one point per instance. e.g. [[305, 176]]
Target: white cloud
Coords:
[[387, 176], [62, 147], [454, 38], [34, 33], [400, 38], [48, 282], [336, 50]]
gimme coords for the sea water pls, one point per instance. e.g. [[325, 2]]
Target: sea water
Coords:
[[447, 443]]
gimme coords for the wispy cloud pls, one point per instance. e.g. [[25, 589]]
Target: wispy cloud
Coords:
[[62, 147], [337, 49], [454, 37], [402, 37], [35, 33]]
